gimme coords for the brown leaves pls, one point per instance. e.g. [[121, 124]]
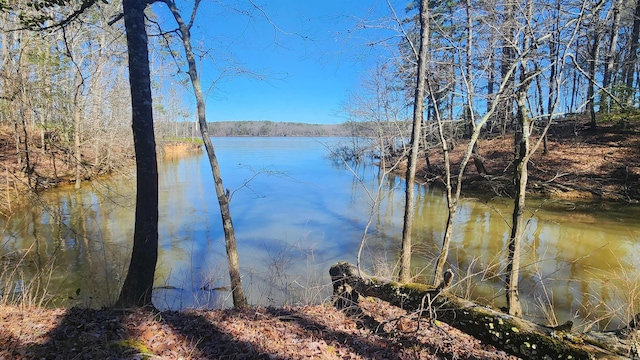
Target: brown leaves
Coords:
[[316, 332]]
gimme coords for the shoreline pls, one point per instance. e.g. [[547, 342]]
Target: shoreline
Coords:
[[18, 188], [548, 178]]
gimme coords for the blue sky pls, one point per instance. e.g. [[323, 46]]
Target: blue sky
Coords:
[[288, 60]]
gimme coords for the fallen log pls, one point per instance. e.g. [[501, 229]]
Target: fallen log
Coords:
[[511, 334]]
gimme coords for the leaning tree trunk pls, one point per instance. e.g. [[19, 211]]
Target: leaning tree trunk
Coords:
[[508, 333], [452, 202], [239, 299], [138, 286], [418, 113]]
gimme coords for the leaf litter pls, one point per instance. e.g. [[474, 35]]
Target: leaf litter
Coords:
[[294, 332]]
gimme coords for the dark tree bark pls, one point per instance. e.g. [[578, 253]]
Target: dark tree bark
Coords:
[[418, 113], [520, 177], [76, 134], [138, 284], [239, 299]]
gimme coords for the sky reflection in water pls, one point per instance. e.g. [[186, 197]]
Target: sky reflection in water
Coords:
[[296, 212]]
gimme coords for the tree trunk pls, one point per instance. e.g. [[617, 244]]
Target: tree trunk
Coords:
[[613, 48], [477, 160], [24, 113], [631, 63], [22, 133], [446, 240], [239, 299], [490, 90], [418, 113], [520, 177], [426, 131], [473, 130], [76, 137], [508, 333], [452, 202], [591, 96], [138, 285], [505, 112], [471, 120], [553, 74]]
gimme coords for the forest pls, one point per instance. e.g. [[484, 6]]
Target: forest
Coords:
[[78, 76]]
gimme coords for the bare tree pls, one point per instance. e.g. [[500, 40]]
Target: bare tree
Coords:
[[418, 113], [378, 114], [631, 62], [610, 58], [224, 198], [594, 55], [530, 69]]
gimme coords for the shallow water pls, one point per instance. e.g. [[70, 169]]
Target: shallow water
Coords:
[[296, 212]]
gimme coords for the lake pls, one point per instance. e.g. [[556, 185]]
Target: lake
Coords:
[[296, 212]]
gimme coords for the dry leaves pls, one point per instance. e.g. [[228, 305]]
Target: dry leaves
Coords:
[[581, 163], [308, 332]]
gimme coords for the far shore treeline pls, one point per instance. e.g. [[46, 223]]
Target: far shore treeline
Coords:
[[259, 128], [273, 128]]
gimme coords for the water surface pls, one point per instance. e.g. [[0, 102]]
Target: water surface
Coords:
[[295, 213]]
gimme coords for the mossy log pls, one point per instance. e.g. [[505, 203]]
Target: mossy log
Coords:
[[511, 334]]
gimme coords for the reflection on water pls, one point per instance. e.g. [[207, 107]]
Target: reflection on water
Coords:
[[71, 243], [296, 213]]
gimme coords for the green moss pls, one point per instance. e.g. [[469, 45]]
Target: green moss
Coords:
[[600, 344], [135, 345], [331, 350], [416, 287], [515, 336]]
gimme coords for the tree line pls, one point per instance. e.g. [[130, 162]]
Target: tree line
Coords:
[[272, 128], [65, 93], [184, 129]]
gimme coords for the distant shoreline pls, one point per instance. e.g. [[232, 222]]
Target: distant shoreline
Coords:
[[267, 128]]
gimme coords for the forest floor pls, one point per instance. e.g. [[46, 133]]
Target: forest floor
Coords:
[[304, 332], [581, 164]]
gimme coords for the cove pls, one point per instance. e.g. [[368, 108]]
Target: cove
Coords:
[[296, 212]]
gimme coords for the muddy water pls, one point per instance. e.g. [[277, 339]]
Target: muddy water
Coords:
[[296, 213]]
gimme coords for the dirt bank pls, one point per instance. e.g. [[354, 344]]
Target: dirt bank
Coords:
[[50, 165]]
